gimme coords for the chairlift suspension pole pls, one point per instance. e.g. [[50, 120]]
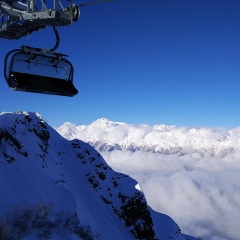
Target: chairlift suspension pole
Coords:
[[57, 39]]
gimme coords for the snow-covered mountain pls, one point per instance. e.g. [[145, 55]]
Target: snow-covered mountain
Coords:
[[191, 174], [106, 135], [59, 189]]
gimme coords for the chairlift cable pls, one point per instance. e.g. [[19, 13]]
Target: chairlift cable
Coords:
[[92, 3]]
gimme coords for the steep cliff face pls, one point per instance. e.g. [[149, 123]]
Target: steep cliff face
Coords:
[[37, 165], [116, 190]]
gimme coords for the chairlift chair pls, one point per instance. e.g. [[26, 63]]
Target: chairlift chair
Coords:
[[39, 72]]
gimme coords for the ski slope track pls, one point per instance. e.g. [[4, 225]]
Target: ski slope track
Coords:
[[39, 166]]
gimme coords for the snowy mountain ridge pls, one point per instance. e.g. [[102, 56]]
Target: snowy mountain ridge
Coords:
[[52, 187], [107, 135]]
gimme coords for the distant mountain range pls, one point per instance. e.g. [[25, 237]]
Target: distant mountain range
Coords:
[[106, 135], [52, 188]]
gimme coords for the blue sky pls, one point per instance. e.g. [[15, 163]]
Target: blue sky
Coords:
[[138, 61]]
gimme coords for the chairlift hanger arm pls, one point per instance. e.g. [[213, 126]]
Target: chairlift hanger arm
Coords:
[[18, 19]]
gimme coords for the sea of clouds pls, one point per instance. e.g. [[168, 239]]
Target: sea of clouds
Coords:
[[202, 194]]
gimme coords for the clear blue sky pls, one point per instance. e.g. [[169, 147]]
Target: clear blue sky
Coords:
[[144, 61]]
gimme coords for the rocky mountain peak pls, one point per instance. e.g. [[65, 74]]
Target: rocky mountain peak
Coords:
[[38, 165]]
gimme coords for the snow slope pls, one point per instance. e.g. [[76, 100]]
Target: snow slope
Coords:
[[39, 167]]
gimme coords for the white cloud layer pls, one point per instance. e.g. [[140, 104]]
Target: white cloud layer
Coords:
[[201, 194]]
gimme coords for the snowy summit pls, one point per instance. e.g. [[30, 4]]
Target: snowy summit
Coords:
[[107, 135]]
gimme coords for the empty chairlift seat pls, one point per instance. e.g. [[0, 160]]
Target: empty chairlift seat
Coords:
[[40, 73]]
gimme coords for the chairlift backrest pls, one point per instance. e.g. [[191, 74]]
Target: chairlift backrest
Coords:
[[42, 66]]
